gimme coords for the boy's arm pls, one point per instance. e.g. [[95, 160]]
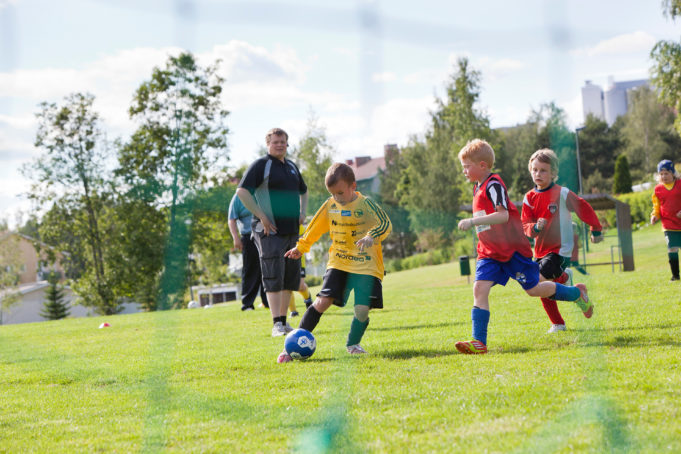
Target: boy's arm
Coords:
[[498, 217], [383, 226], [529, 220], [587, 214], [317, 227], [655, 215]]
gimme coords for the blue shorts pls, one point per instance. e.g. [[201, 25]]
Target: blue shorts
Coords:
[[520, 268]]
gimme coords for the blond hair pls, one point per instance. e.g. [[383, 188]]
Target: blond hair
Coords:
[[339, 172], [545, 156], [275, 132], [478, 150]]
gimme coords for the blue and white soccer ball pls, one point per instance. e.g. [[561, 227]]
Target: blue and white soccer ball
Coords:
[[300, 344]]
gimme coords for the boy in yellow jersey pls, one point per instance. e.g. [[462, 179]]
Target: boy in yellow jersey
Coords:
[[303, 290], [357, 226]]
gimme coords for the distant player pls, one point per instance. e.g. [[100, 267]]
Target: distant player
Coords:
[[546, 218], [667, 208], [357, 226], [503, 249]]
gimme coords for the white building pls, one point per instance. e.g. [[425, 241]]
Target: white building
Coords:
[[611, 103]]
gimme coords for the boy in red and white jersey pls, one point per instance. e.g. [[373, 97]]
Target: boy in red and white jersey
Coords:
[[667, 208], [546, 218], [503, 250]]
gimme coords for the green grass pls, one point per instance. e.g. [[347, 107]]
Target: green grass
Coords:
[[207, 380]]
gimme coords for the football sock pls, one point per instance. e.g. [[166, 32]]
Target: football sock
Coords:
[[562, 279], [292, 303], [674, 263], [310, 319], [357, 330], [551, 308], [306, 294], [565, 293], [480, 319]]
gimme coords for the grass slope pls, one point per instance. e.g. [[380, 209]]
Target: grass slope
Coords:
[[207, 381]]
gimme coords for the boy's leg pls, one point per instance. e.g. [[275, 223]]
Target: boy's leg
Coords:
[[550, 266], [674, 264], [292, 305], [365, 290], [305, 292], [480, 320]]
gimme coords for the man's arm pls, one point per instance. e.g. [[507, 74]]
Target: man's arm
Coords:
[[235, 234], [251, 205], [303, 207]]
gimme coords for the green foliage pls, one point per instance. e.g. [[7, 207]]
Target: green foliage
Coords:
[[640, 204], [554, 133], [646, 130], [432, 257], [313, 281], [54, 307], [599, 144], [431, 187], [10, 258], [314, 156], [622, 178]]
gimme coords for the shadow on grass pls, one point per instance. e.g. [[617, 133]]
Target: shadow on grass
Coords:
[[412, 353]]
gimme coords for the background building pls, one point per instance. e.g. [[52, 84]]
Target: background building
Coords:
[[611, 103]]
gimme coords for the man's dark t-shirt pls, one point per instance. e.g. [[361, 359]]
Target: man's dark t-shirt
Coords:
[[285, 185]]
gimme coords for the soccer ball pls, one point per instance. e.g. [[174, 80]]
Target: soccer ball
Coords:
[[300, 344]]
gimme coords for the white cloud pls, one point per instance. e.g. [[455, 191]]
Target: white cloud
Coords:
[[4, 3], [628, 43], [384, 77]]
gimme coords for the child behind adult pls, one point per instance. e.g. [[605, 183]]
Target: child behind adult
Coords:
[[667, 208], [302, 289], [546, 218], [503, 250], [354, 264]]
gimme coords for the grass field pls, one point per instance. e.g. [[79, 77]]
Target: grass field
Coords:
[[207, 380]]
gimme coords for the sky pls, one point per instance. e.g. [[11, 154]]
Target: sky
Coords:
[[368, 70]]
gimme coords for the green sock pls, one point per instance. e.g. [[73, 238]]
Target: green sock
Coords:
[[357, 329]]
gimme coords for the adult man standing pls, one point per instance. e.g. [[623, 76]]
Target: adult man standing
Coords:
[[274, 191], [251, 278]]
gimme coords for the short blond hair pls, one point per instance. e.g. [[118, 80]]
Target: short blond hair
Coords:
[[275, 132], [478, 150], [339, 172], [545, 156]]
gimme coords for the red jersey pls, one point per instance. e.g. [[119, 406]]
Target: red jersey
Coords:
[[499, 241], [555, 204], [669, 203]]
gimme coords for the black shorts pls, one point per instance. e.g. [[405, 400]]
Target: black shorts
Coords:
[[278, 273], [338, 285], [552, 265]]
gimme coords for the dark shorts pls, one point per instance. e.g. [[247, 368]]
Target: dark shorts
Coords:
[[673, 238], [338, 285], [520, 268], [278, 273], [552, 265]]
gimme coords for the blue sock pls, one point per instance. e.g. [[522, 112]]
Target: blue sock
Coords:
[[565, 293], [480, 319]]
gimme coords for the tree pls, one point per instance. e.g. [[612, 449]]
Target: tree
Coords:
[[10, 258], [54, 307], [431, 185], [599, 144], [622, 179], [666, 73], [645, 129], [401, 242], [181, 136], [70, 172], [314, 156]]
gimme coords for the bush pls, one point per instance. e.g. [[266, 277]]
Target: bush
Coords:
[[434, 257], [313, 281], [640, 204]]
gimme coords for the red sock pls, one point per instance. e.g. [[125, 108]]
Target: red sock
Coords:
[[551, 308], [562, 279]]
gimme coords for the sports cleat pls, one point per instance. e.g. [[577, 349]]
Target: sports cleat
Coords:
[[568, 271], [284, 358], [583, 301], [474, 347], [555, 328], [674, 278], [278, 329], [308, 303], [356, 350], [287, 328], [294, 314]]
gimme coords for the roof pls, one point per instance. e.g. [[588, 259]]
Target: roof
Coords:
[[368, 169]]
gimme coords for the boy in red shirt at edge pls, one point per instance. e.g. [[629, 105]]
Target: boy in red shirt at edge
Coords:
[[546, 218], [503, 249]]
